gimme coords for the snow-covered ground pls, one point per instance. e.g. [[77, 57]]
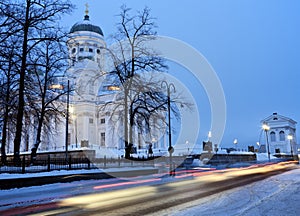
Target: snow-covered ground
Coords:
[[68, 172], [261, 157], [277, 196]]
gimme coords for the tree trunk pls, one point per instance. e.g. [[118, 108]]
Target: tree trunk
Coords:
[[18, 135], [5, 118], [3, 142], [38, 139], [127, 145]]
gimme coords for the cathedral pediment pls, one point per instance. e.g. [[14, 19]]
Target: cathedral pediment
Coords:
[[278, 118]]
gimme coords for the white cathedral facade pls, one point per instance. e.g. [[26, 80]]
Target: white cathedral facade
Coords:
[[90, 124]]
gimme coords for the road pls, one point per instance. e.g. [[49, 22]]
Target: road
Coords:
[[277, 196], [147, 195]]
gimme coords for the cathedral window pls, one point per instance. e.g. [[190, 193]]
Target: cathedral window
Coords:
[[281, 136], [90, 50], [69, 139], [81, 49], [73, 50], [102, 141], [91, 88], [102, 121], [98, 51], [273, 137], [91, 121]]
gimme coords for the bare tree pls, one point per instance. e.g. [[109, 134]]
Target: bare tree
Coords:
[[142, 96], [130, 58], [30, 19], [8, 73], [47, 62]]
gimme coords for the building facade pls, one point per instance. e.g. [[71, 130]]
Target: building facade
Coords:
[[94, 122], [281, 134]]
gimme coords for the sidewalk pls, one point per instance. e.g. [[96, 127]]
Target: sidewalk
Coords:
[[9, 181]]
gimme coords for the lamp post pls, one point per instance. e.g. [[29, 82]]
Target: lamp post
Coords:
[[266, 127], [235, 142], [170, 149], [209, 135], [61, 87], [258, 146], [67, 120], [290, 138]]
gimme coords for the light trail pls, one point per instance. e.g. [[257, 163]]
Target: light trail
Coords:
[[160, 193], [166, 195], [126, 183]]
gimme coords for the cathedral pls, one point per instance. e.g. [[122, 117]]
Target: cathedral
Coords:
[[91, 119], [90, 122]]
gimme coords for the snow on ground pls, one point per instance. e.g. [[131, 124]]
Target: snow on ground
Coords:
[[277, 196], [68, 172], [264, 157], [35, 195], [260, 157]]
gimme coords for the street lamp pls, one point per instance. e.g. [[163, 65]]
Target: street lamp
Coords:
[[235, 142], [170, 149], [258, 146], [290, 138], [266, 127], [67, 120], [61, 87]]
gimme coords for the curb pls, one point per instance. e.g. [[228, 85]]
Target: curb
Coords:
[[38, 181]]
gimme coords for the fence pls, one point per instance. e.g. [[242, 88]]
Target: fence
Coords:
[[49, 164]]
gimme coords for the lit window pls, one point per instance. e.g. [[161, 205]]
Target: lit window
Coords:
[[56, 86], [281, 136], [273, 137], [113, 88]]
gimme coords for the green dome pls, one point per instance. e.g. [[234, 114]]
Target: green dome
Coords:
[[86, 25]]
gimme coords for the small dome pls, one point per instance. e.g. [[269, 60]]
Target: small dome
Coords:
[[86, 25]]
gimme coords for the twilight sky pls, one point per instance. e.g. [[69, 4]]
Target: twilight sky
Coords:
[[253, 46]]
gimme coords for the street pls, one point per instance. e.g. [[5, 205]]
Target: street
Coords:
[[139, 196]]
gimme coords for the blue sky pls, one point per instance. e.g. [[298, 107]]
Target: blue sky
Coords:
[[253, 46]]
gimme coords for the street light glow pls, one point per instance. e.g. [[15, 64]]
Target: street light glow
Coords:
[[290, 137], [209, 134], [265, 127]]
